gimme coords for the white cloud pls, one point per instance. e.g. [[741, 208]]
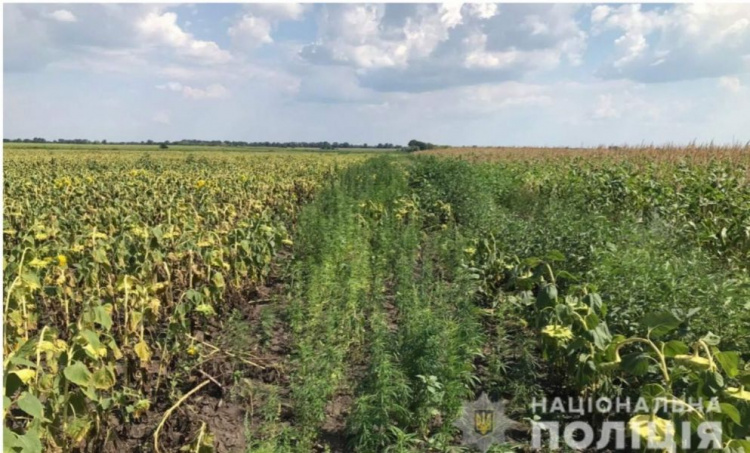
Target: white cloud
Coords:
[[162, 29], [450, 14], [255, 27], [122, 34], [483, 10], [279, 11], [599, 13], [473, 73], [680, 42], [213, 91], [732, 84], [251, 31], [480, 57], [426, 47], [63, 15], [359, 35]]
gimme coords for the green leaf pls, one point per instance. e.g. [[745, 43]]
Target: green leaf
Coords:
[[29, 442], [555, 255], [566, 276], [25, 375], [547, 296], [738, 446], [100, 256], [104, 378], [731, 412], [729, 361], [594, 301], [143, 352], [591, 321], [78, 429], [600, 336], [675, 347], [659, 324], [713, 383], [27, 349], [653, 390], [635, 363], [205, 309], [194, 296], [78, 374], [31, 280], [650, 392], [218, 280], [10, 439], [711, 339], [158, 233], [102, 317], [91, 344], [31, 405]]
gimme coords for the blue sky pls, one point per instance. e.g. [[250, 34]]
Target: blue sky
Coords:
[[484, 74]]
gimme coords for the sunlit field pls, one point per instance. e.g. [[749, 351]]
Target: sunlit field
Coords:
[[266, 300]]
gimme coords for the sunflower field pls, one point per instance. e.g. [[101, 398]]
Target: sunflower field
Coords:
[[264, 301]]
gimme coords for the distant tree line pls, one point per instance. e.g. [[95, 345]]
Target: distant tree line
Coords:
[[416, 145], [319, 145]]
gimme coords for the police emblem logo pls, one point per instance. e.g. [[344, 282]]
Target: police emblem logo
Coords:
[[483, 421]]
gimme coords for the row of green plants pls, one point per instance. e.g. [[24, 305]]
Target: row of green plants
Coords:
[[377, 326], [442, 310]]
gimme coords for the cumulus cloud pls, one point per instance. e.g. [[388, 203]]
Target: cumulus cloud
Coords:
[[251, 31], [257, 23], [524, 71], [63, 15], [371, 36], [162, 29], [426, 47], [599, 13], [278, 11], [676, 43], [100, 35], [482, 10]]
